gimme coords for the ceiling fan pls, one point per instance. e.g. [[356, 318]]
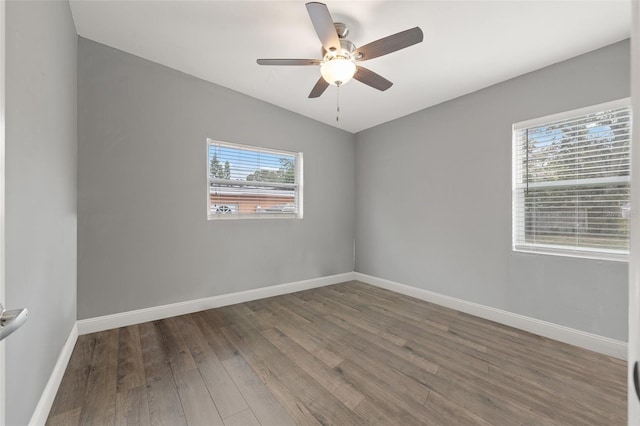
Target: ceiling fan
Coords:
[[339, 55]]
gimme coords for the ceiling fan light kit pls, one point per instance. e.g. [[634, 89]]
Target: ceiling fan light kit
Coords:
[[340, 56], [338, 71], [338, 65]]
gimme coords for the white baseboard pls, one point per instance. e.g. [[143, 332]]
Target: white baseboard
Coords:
[[594, 342], [124, 319], [40, 414]]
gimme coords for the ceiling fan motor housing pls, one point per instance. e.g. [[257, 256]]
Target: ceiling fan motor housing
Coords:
[[346, 47], [341, 29]]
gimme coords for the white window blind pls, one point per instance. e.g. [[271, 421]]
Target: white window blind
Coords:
[[571, 178], [252, 182]]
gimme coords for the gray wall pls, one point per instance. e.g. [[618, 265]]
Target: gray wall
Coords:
[[143, 235], [433, 200], [41, 146]]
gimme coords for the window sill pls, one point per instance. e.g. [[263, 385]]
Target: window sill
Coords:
[[579, 254], [216, 216]]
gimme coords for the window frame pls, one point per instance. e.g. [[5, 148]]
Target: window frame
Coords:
[[518, 229], [297, 185]]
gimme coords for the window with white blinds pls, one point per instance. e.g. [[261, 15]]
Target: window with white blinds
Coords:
[[252, 182], [571, 178]]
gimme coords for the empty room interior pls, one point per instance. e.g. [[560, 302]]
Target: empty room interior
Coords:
[[425, 222]]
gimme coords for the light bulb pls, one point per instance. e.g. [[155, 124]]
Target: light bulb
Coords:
[[338, 71]]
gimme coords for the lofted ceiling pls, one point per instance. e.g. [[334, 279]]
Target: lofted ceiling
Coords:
[[468, 45]]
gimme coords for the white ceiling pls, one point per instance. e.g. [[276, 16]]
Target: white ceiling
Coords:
[[467, 45]]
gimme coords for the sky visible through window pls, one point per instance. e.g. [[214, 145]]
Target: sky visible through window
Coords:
[[543, 136], [243, 162], [560, 152]]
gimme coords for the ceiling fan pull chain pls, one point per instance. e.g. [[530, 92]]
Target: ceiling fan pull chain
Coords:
[[338, 103]]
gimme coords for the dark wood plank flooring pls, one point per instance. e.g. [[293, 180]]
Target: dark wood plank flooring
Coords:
[[346, 354]]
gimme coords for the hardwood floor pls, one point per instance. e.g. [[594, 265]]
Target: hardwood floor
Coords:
[[345, 354]]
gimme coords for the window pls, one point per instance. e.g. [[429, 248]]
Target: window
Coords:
[[571, 178], [252, 182]]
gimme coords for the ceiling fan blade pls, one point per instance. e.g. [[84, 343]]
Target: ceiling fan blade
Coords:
[[389, 44], [288, 61], [323, 24], [372, 79], [319, 88]]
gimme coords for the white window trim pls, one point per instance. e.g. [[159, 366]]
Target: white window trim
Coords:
[[299, 185], [546, 249]]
